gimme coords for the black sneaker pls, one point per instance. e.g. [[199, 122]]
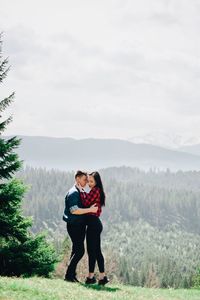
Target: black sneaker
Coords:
[[76, 280], [103, 281], [90, 280], [71, 279]]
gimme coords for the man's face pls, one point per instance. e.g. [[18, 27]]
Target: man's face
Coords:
[[82, 180]]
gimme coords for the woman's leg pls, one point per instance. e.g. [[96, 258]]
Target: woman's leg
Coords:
[[91, 248], [99, 255], [93, 237]]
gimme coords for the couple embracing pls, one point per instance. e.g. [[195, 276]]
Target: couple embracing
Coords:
[[83, 206]]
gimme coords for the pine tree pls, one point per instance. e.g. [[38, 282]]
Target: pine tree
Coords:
[[152, 279], [20, 252]]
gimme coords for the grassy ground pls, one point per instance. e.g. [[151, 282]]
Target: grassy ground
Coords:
[[56, 289]]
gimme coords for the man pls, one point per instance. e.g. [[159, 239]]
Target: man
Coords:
[[74, 215]]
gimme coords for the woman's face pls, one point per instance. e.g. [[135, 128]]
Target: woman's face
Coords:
[[91, 181]]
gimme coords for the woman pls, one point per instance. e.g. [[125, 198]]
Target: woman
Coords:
[[95, 227]]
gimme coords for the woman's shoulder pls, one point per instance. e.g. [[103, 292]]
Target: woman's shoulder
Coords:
[[96, 189]]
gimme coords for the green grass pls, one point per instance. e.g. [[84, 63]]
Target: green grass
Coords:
[[56, 289]]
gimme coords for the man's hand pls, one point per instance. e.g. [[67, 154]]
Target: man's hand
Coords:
[[93, 208]]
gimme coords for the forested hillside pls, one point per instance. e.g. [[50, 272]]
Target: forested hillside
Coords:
[[151, 220]]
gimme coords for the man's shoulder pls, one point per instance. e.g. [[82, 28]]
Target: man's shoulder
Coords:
[[72, 191]]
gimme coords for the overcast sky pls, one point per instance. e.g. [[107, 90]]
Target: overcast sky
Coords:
[[102, 68]]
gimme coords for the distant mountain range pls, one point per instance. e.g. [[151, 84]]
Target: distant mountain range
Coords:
[[166, 140], [193, 149], [89, 154]]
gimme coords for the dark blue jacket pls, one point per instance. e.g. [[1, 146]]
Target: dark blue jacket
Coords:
[[72, 202]]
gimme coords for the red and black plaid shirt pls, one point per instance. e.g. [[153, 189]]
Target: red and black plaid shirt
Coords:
[[93, 197]]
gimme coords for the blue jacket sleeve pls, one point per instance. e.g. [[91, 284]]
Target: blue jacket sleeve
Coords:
[[72, 201]]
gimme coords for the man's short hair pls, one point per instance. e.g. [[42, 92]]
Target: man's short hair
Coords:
[[80, 174]]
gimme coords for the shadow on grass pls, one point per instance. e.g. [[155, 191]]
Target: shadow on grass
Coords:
[[97, 287]]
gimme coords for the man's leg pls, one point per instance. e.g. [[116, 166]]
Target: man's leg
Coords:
[[77, 235]]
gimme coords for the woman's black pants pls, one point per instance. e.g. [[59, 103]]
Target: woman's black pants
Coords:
[[93, 238], [77, 235]]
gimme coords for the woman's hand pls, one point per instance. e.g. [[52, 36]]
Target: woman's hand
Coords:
[[93, 208], [79, 187]]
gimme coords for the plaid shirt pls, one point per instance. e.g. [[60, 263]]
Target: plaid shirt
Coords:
[[93, 197]]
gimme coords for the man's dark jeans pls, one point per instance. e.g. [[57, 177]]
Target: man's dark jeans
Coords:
[[77, 233]]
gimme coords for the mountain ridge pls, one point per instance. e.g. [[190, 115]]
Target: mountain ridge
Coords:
[[69, 154]]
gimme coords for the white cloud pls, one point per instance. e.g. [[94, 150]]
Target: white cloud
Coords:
[[103, 68]]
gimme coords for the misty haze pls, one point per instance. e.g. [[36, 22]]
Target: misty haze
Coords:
[[103, 90]]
